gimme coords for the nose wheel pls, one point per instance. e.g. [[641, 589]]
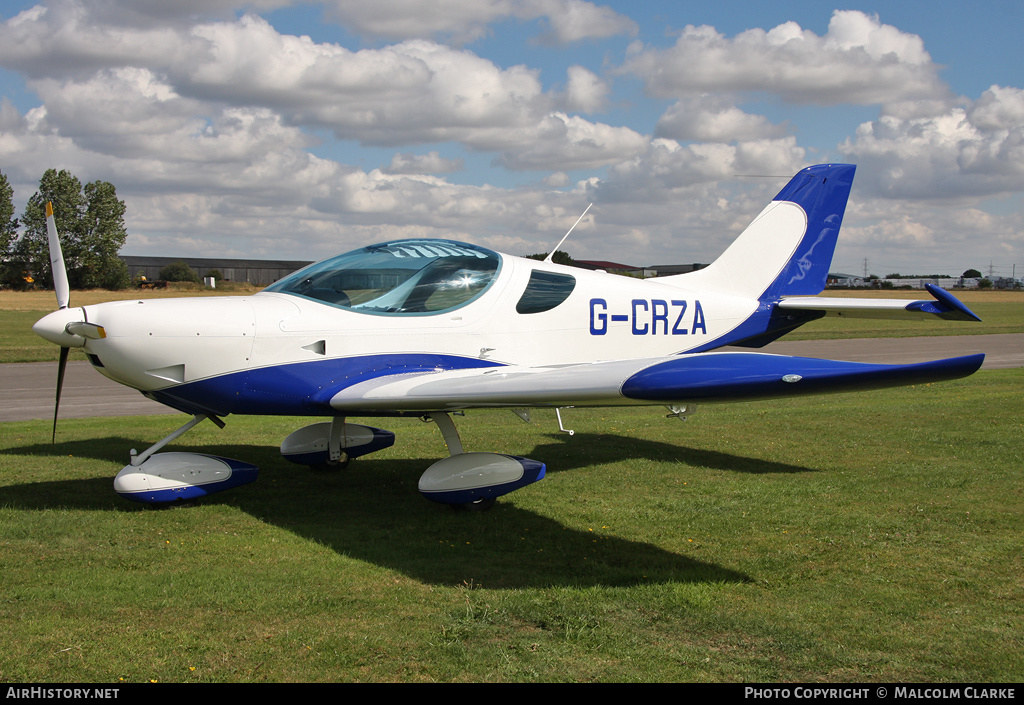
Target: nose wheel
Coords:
[[162, 478]]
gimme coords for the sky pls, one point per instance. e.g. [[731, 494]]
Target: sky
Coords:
[[282, 129]]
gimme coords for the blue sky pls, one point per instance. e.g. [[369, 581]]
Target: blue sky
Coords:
[[286, 129]]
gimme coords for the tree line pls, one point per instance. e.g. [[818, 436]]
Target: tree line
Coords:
[[90, 220]]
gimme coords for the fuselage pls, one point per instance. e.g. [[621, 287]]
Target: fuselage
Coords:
[[270, 352]]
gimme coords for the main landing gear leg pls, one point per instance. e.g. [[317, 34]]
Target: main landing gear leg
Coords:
[[337, 457], [447, 427]]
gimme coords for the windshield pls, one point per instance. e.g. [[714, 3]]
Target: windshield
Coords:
[[400, 277]]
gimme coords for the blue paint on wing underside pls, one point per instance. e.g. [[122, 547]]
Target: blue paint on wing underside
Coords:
[[733, 376]]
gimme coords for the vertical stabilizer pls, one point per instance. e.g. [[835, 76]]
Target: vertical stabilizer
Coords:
[[787, 249]]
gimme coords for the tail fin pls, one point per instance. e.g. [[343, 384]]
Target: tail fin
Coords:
[[787, 249]]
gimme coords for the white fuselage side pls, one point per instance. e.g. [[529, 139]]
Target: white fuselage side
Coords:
[[159, 343]]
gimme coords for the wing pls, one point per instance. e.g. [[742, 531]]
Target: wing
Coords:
[[728, 376]]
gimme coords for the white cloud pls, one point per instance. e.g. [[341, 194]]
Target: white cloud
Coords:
[[566, 143], [208, 137], [430, 163], [859, 60], [225, 129], [971, 151], [585, 91], [10, 118], [575, 20], [925, 238], [688, 200], [999, 108], [669, 166], [122, 111], [713, 118], [68, 41], [416, 91], [463, 21], [142, 13]]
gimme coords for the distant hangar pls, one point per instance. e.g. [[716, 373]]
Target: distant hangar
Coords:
[[258, 272]]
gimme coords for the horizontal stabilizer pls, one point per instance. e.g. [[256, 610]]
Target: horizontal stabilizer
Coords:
[[736, 376], [945, 305]]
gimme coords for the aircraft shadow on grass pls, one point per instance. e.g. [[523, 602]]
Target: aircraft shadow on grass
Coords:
[[586, 450], [372, 511]]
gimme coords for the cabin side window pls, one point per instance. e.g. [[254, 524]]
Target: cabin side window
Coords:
[[545, 291]]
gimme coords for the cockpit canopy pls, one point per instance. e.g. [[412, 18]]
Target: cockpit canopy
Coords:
[[403, 277]]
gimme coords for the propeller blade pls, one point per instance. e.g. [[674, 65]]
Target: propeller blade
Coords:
[[62, 288], [60, 273], [61, 366]]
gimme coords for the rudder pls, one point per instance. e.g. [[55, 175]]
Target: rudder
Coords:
[[822, 191]]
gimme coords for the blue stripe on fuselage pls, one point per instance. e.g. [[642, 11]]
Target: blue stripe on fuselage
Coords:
[[300, 388]]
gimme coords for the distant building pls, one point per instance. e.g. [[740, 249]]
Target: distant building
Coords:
[[852, 281], [838, 279], [667, 270], [606, 266], [1006, 283], [254, 271], [941, 282], [661, 270]]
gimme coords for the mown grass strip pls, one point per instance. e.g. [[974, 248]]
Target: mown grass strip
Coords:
[[856, 537]]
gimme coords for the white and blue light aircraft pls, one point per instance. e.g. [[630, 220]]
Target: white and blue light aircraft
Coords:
[[431, 327]]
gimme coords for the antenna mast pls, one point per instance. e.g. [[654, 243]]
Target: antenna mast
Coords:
[[552, 253]]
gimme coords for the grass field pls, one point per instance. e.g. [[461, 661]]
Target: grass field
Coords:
[[859, 537]]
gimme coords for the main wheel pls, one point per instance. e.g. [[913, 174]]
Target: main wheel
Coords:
[[479, 505], [332, 465]]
